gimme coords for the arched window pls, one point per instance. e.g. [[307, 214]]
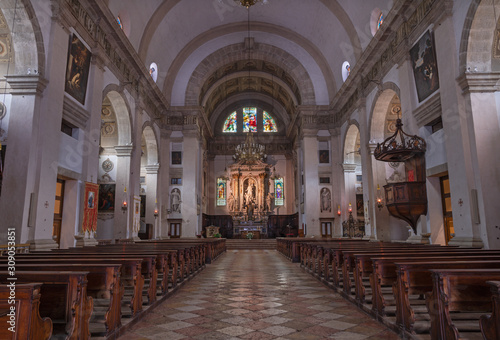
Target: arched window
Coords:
[[249, 119], [153, 71], [380, 20], [230, 125], [269, 123], [119, 21], [346, 70]]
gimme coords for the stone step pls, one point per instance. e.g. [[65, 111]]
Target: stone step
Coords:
[[233, 244]]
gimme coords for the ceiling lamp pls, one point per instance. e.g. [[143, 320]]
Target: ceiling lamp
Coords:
[[249, 152]]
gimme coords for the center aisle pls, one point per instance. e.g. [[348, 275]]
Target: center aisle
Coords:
[[256, 294]]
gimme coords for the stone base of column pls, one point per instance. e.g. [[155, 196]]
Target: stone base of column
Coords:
[[423, 239], [82, 241], [136, 238], [164, 237], [42, 245], [466, 242]]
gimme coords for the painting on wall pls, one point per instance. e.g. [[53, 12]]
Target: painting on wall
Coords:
[[176, 157], [106, 197], [90, 207], [324, 156], [77, 71], [425, 66]]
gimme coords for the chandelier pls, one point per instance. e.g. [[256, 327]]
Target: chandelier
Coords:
[[249, 152], [392, 150]]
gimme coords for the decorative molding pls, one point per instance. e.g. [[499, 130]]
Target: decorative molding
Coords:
[[349, 167], [429, 110], [124, 150], [74, 113], [479, 82], [26, 84]]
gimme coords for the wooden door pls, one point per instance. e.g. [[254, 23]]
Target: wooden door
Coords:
[[58, 211], [326, 229], [175, 230], [449, 230]]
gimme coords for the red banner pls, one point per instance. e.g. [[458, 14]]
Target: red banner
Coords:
[[90, 207]]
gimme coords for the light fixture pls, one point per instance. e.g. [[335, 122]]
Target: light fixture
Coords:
[[249, 152], [248, 3], [338, 210], [392, 150], [155, 213], [380, 201], [350, 208], [124, 201]]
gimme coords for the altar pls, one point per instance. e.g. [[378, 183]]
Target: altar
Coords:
[[242, 230]]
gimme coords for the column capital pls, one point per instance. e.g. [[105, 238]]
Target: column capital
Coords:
[[26, 84], [152, 169], [479, 82], [124, 150], [349, 167]]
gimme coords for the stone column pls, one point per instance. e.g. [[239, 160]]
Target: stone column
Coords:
[[337, 181], [350, 190], [311, 183], [151, 195], [458, 138], [190, 165], [164, 185], [122, 217], [369, 189], [21, 160]]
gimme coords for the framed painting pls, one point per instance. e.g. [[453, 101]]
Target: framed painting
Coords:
[[77, 69], [90, 207], [176, 157], [324, 156], [107, 197], [424, 64]]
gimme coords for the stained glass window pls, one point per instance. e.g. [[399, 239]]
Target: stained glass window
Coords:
[[380, 20], [221, 191], [249, 119], [119, 21], [230, 123], [278, 191], [269, 123]]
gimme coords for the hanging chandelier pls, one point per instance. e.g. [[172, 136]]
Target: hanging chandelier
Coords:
[[249, 152]]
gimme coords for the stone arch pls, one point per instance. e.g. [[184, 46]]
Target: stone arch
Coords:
[[163, 9], [351, 135], [263, 52], [26, 35], [318, 59], [477, 52], [378, 111], [122, 111], [151, 143]]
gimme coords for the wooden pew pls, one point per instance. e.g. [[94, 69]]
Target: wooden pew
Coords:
[[415, 278], [29, 325], [103, 285], [63, 299], [490, 324], [456, 290]]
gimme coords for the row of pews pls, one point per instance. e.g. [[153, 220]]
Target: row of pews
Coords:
[[420, 291], [97, 292]]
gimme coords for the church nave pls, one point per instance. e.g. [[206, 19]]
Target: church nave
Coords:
[[256, 294]]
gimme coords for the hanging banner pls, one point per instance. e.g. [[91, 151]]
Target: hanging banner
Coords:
[[90, 207]]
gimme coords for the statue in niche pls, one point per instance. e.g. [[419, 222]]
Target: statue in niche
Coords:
[[269, 201], [250, 194], [230, 202], [326, 200], [175, 200], [250, 209]]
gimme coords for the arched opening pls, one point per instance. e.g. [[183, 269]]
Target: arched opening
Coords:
[[149, 183]]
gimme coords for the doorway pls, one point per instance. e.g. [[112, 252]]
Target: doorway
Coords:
[[58, 211], [326, 228], [449, 230]]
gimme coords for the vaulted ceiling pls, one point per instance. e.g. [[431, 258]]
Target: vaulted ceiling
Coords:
[[284, 52]]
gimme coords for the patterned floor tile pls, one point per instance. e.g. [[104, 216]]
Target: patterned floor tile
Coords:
[[279, 330], [236, 330]]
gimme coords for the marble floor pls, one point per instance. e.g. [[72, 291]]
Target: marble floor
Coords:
[[256, 294]]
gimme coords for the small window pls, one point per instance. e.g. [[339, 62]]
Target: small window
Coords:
[[153, 71], [278, 191], [269, 123], [346, 70], [380, 20], [221, 192], [230, 125], [176, 181], [359, 178], [249, 119], [69, 129], [324, 180], [119, 21]]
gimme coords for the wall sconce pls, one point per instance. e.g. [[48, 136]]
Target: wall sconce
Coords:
[[338, 210], [124, 201], [380, 202], [155, 213], [350, 208]]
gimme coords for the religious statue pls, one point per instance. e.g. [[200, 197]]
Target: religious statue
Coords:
[[230, 202], [326, 200], [250, 208], [269, 200], [175, 200], [249, 194]]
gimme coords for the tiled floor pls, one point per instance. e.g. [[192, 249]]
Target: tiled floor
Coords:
[[256, 294]]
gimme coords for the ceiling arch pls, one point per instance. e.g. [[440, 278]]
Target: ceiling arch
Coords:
[[209, 42]]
